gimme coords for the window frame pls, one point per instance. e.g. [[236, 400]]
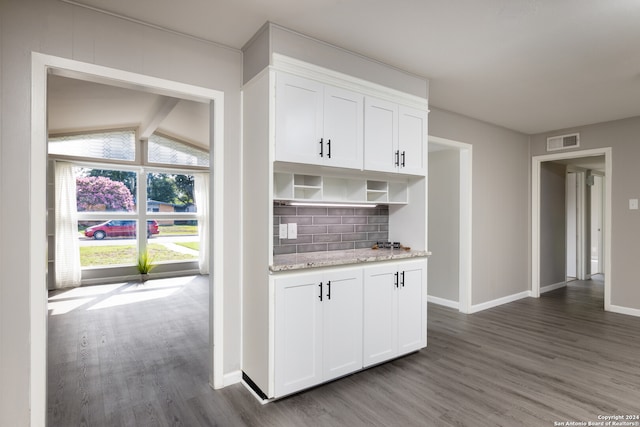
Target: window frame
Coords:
[[141, 167]]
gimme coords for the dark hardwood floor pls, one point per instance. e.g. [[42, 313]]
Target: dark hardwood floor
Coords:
[[529, 363]]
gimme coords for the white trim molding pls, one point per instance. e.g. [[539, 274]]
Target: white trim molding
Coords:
[[500, 301], [624, 310], [535, 216], [552, 287], [231, 378], [466, 219], [443, 302], [324, 75], [41, 65]]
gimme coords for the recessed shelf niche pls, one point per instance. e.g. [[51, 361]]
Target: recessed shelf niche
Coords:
[[302, 187]]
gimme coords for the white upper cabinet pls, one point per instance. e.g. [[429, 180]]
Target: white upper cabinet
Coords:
[[394, 138], [317, 124], [299, 105], [381, 135], [412, 140], [343, 117]]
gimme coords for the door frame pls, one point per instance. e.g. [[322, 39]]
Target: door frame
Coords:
[[580, 218], [599, 175], [41, 66], [535, 215], [465, 227]]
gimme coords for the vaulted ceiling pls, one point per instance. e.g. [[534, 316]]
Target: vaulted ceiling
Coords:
[[77, 105], [528, 65]]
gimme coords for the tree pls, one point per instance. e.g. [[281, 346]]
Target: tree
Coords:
[[128, 178], [184, 183], [161, 187], [95, 193]]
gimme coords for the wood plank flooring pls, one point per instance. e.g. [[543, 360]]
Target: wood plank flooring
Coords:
[[529, 363]]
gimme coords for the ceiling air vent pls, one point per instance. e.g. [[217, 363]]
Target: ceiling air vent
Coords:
[[563, 142]]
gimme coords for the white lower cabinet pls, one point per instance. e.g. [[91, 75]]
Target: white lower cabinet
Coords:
[[336, 322], [395, 315], [318, 328]]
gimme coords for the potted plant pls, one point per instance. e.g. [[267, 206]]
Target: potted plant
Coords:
[[144, 265]]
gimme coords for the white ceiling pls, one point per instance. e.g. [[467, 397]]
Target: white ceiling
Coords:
[[528, 65], [75, 105]]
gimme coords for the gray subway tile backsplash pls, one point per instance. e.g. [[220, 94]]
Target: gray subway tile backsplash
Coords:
[[329, 229]]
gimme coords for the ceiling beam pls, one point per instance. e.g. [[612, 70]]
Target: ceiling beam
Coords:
[[160, 110]]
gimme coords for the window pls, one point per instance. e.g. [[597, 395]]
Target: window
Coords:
[[168, 151], [116, 198], [112, 145], [110, 240]]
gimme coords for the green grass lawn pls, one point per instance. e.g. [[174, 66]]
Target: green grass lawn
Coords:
[[173, 230], [191, 245], [97, 256]]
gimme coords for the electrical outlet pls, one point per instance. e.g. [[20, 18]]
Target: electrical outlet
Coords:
[[633, 204], [293, 230], [283, 231]]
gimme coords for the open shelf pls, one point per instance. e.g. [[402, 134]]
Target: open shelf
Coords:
[[338, 189]]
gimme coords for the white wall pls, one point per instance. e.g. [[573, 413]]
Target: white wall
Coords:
[[444, 224], [501, 206], [623, 136], [72, 32]]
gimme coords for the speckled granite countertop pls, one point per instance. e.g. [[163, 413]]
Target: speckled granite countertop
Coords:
[[332, 258]]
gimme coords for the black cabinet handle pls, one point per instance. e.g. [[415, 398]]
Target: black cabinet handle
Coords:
[[397, 157], [395, 282], [320, 296], [321, 148], [329, 289], [403, 155], [402, 279], [328, 148]]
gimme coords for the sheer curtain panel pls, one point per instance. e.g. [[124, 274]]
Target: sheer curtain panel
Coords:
[[201, 195], [67, 256]]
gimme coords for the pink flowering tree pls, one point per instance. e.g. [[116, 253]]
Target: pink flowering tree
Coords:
[[99, 193]]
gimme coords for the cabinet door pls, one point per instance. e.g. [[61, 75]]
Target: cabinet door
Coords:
[[343, 113], [411, 302], [298, 119], [342, 323], [380, 135], [412, 140], [380, 309], [298, 333]]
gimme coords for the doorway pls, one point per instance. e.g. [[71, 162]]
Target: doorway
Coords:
[[596, 232], [42, 65], [449, 223], [582, 236]]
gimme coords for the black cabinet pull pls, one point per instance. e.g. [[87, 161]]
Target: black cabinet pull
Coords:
[[402, 279], [320, 296], [321, 148], [403, 155], [329, 289], [397, 157], [395, 282], [328, 148]]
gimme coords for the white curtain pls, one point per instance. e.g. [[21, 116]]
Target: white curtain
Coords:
[[67, 256], [201, 196]]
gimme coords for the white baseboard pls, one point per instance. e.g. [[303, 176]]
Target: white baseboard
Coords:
[[444, 302], [232, 378], [496, 302], [552, 287], [624, 310]]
